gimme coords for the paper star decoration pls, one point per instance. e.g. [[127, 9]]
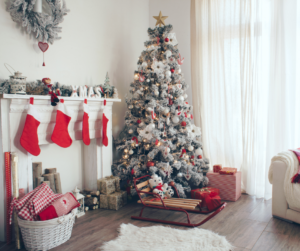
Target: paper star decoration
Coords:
[[160, 20]]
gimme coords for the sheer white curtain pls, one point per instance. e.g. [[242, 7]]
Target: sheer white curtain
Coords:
[[246, 84]]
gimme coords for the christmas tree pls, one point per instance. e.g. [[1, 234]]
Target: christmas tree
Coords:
[[159, 135]]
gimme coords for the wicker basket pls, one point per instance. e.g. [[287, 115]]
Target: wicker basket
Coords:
[[44, 235]]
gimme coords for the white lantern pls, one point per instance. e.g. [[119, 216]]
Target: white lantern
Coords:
[[18, 83], [80, 198]]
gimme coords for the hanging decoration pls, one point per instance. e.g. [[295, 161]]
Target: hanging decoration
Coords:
[[43, 47]]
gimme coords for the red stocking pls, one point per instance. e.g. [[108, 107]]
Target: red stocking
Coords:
[[85, 124], [29, 139], [104, 128], [60, 135]]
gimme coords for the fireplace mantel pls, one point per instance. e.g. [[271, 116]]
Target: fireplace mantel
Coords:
[[97, 159]]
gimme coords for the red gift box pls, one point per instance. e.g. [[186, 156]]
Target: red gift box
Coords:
[[228, 171], [209, 197], [229, 185], [217, 168]]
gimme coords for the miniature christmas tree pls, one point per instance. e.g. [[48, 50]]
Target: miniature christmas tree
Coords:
[[159, 135]]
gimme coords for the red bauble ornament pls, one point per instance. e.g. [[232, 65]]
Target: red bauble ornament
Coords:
[[150, 163], [166, 39], [156, 142], [183, 151], [192, 116], [183, 123], [138, 121], [193, 163], [199, 156], [192, 157], [132, 171], [172, 70], [172, 183]]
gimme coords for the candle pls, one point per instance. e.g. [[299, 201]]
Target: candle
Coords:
[[38, 6]]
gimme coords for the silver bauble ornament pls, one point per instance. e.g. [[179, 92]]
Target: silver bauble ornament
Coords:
[[130, 131], [130, 152], [179, 175]]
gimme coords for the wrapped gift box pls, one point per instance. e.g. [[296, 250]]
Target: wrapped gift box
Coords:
[[209, 196], [108, 185], [229, 185], [113, 201], [228, 171], [217, 168]]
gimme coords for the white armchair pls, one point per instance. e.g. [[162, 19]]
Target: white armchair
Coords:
[[280, 207]]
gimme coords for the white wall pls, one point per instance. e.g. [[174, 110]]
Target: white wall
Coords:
[[178, 12], [97, 36]]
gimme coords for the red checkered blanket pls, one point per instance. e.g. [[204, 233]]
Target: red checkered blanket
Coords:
[[29, 206]]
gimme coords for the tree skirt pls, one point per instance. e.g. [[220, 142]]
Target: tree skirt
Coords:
[[159, 238]]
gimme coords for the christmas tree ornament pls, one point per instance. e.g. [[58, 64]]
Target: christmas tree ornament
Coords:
[[179, 175], [183, 123], [199, 156], [85, 124], [60, 135], [150, 163], [136, 76], [172, 70], [180, 60], [139, 121], [125, 150], [130, 131], [198, 151], [160, 19], [190, 148], [130, 151], [166, 39], [135, 141], [175, 119], [29, 138], [130, 107], [43, 47], [141, 77], [187, 176]]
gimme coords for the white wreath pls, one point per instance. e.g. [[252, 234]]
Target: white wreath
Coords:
[[43, 25]]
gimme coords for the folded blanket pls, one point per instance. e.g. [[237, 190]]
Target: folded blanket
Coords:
[[29, 206], [291, 190]]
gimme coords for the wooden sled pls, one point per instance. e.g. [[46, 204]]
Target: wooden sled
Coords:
[[173, 204]]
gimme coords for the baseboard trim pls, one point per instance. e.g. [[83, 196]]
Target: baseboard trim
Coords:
[[277, 217]]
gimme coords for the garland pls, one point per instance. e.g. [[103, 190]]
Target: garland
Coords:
[[43, 25]]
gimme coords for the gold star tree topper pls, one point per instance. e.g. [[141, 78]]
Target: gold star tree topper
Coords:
[[160, 20]]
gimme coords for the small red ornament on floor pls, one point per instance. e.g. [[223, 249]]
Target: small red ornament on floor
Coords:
[[43, 47]]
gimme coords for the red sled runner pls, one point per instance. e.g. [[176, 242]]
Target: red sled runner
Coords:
[[173, 204]]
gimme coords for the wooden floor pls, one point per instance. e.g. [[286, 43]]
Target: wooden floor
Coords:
[[247, 224]]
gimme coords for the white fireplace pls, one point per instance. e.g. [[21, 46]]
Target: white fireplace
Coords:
[[96, 158]]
